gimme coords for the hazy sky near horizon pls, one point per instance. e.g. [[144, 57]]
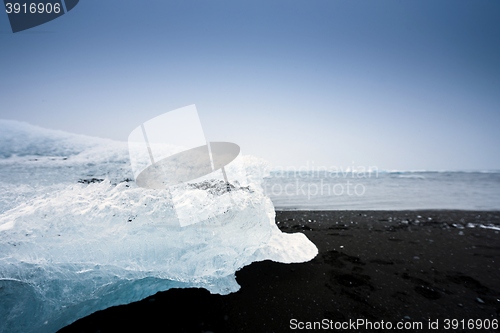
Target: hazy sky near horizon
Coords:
[[393, 84]]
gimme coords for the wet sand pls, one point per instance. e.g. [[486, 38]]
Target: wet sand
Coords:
[[391, 266]]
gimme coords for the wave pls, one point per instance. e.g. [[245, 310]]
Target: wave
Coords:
[[438, 171]]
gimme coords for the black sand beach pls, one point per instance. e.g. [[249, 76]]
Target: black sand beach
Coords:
[[390, 266]]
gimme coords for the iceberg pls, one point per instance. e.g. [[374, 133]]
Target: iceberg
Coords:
[[77, 234]]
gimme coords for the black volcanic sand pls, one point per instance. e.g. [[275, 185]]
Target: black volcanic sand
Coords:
[[375, 265]]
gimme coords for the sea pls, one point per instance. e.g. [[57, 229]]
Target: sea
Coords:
[[35, 161], [384, 190]]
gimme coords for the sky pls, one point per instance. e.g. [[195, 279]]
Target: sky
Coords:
[[405, 85]]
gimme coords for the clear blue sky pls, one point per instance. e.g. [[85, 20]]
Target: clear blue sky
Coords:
[[393, 84]]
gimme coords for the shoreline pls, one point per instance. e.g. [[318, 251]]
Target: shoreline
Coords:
[[284, 210], [394, 266]]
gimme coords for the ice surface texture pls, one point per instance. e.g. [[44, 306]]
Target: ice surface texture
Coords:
[[71, 244]]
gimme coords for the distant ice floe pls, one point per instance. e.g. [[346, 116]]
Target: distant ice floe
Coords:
[[77, 235], [480, 225]]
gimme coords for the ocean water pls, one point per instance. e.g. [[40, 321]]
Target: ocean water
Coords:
[[34, 161], [384, 190]]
